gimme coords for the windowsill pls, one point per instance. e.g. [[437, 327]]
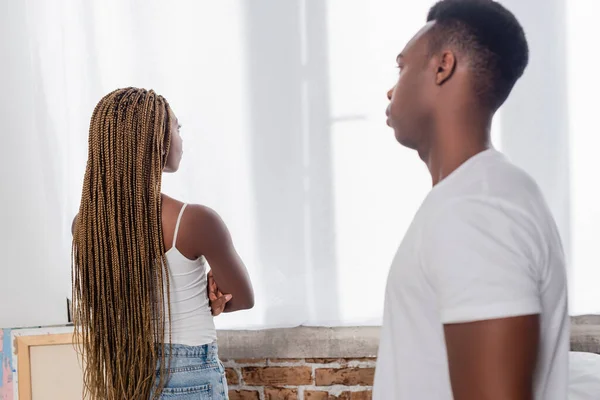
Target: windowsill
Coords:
[[341, 342], [353, 342], [300, 342]]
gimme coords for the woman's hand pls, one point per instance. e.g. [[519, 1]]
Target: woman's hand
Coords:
[[217, 300]]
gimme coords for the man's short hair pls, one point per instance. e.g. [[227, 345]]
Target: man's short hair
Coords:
[[492, 39]]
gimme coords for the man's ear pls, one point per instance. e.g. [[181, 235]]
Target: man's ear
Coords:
[[446, 65]]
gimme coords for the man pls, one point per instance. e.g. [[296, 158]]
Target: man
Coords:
[[476, 300]]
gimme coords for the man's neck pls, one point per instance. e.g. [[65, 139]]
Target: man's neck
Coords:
[[442, 163], [454, 144]]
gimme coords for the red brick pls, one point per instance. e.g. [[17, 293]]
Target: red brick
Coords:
[[243, 395], [317, 395], [281, 394], [365, 395], [277, 376], [344, 376], [232, 376]]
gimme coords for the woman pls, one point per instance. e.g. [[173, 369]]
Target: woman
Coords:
[[141, 306]]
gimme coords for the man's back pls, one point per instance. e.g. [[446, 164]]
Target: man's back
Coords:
[[483, 246]]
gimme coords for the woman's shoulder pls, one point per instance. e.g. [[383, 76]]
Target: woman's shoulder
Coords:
[[197, 218], [197, 210], [202, 230], [203, 216]]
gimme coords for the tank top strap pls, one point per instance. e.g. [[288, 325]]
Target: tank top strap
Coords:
[[177, 225]]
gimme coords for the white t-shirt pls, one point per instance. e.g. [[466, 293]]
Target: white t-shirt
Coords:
[[482, 246]]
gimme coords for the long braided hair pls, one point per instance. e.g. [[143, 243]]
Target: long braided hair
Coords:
[[120, 305]]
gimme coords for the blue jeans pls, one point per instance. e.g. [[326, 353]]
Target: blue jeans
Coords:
[[195, 373]]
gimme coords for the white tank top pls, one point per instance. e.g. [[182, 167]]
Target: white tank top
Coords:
[[191, 319]]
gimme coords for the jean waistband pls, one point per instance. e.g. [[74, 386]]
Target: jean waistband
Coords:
[[182, 350]]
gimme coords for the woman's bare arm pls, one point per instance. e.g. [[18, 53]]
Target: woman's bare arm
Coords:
[[215, 244]]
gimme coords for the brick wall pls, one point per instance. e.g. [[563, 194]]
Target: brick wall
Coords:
[[300, 379]]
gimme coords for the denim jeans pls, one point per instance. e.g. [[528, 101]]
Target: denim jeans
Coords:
[[195, 373]]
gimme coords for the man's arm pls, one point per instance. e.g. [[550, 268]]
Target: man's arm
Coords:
[[484, 261], [493, 359]]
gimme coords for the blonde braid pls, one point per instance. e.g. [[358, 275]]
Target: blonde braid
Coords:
[[120, 277]]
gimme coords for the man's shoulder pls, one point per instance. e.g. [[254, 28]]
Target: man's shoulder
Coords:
[[486, 212], [506, 174], [497, 183]]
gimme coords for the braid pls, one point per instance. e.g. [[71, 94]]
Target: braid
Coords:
[[119, 267]]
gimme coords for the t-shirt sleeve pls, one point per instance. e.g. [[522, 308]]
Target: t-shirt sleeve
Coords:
[[482, 260]]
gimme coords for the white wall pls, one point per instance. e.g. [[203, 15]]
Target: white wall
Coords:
[[283, 111], [33, 279]]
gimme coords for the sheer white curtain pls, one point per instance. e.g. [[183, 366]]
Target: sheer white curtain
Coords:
[[282, 105], [584, 140]]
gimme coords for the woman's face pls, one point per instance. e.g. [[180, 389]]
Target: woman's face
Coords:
[[176, 149]]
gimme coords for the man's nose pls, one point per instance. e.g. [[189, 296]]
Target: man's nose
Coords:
[[390, 92]]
